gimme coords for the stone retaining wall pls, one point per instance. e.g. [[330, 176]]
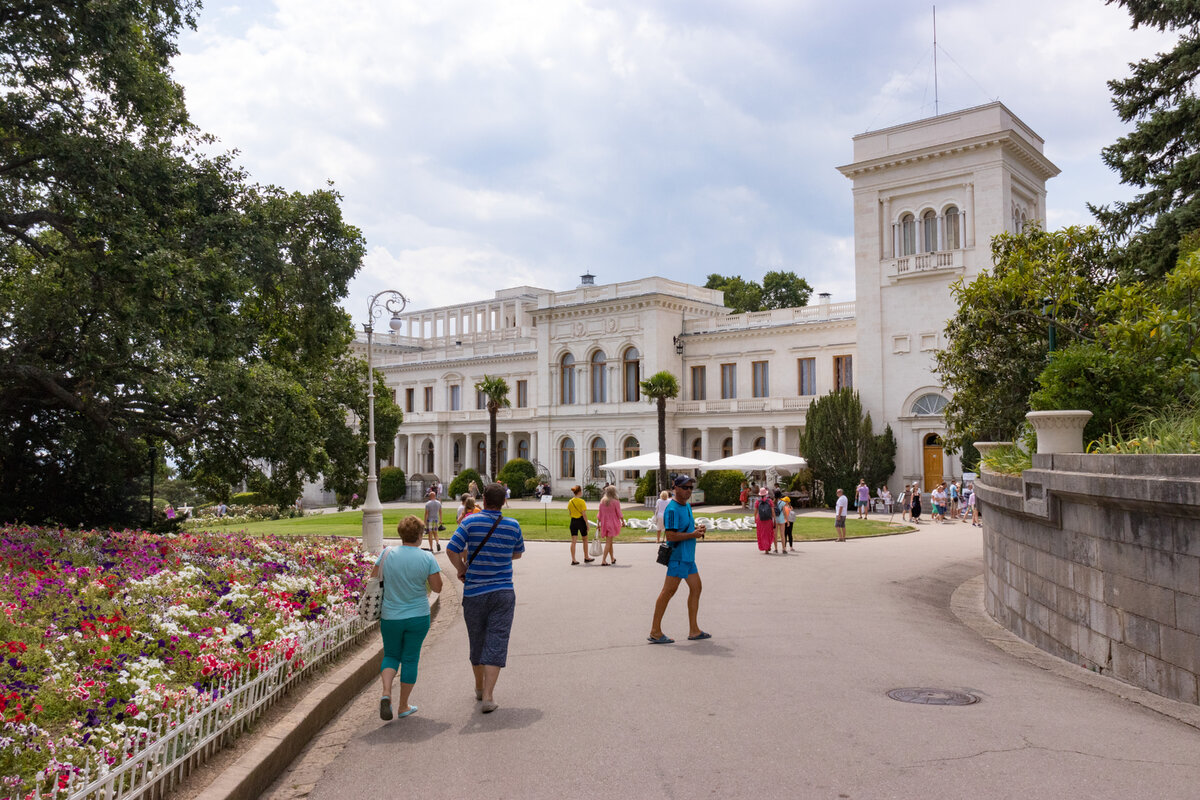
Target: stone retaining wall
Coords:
[[1096, 559]]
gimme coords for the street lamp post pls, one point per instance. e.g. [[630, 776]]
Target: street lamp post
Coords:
[[392, 302]]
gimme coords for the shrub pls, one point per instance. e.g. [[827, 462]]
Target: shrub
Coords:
[[1175, 430], [463, 480], [1008, 459], [391, 484], [722, 486], [517, 474], [802, 480], [647, 484], [591, 491], [248, 499]]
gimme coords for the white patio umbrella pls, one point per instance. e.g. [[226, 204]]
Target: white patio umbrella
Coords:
[[650, 461], [757, 459]]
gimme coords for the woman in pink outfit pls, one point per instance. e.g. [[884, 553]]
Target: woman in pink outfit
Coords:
[[611, 519], [765, 528]]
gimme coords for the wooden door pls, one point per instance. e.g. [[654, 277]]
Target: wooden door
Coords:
[[933, 462]]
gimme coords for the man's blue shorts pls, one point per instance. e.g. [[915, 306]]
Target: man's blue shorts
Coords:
[[681, 569]]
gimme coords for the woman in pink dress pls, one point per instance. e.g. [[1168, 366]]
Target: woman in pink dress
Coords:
[[611, 520], [765, 528]]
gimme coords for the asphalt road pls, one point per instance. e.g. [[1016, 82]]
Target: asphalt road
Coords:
[[788, 699]]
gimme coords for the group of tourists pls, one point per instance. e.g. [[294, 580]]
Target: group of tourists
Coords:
[[773, 521], [481, 550], [948, 502]]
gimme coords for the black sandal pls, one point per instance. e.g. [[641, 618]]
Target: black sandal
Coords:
[[574, 563], [589, 560]]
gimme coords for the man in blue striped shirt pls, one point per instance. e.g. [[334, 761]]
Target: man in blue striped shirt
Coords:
[[482, 549]]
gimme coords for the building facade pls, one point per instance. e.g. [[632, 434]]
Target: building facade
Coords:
[[928, 198]]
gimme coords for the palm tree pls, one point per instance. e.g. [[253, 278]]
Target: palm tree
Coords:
[[496, 390], [658, 388]]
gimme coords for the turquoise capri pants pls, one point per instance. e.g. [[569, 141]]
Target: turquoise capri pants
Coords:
[[402, 640]]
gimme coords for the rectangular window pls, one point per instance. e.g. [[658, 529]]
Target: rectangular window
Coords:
[[762, 378], [429, 398], [456, 398], [843, 372], [728, 381], [410, 400], [480, 400], [699, 383], [522, 394], [806, 369]]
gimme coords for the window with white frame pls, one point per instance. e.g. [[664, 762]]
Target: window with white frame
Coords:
[[928, 405], [929, 231], [908, 235], [761, 373], [952, 222], [806, 374], [631, 363], [599, 384], [728, 381], [567, 458], [456, 398], [566, 380]]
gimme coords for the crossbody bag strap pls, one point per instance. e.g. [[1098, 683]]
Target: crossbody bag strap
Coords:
[[485, 540]]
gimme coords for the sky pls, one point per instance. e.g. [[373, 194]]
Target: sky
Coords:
[[481, 145]]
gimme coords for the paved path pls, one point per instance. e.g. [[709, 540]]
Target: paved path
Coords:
[[787, 700]]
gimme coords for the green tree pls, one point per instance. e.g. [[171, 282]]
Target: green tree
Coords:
[[997, 340], [496, 391], [1143, 357], [150, 294], [658, 388], [840, 445], [1161, 156], [778, 290], [740, 295], [784, 290]]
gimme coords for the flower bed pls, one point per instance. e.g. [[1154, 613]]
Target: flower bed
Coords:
[[106, 635]]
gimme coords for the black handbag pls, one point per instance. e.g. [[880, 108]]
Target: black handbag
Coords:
[[664, 553]]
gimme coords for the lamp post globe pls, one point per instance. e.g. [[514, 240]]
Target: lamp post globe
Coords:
[[393, 303]]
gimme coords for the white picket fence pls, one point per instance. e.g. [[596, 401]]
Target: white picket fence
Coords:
[[158, 758]]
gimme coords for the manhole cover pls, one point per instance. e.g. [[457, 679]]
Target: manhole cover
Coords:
[[933, 697]]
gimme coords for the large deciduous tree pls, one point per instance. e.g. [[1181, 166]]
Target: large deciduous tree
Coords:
[[778, 290], [149, 293], [998, 339], [1161, 156]]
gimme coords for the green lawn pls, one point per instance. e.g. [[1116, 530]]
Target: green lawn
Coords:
[[547, 525]]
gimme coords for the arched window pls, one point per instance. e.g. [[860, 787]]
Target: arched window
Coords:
[[599, 384], [427, 456], [567, 458], [760, 443], [933, 440], [481, 462], [523, 449], [457, 452], [929, 231], [727, 447], [953, 240], [631, 449], [566, 389], [501, 454], [632, 367], [599, 454], [696, 450], [928, 405], [908, 235]]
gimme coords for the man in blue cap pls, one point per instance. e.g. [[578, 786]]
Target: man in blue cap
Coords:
[[682, 533]]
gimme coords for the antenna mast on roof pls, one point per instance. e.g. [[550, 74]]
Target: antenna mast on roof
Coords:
[[935, 84]]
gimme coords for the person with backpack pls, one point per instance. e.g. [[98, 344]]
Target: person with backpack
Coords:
[[764, 520]]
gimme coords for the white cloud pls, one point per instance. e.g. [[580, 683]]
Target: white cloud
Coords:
[[479, 145]]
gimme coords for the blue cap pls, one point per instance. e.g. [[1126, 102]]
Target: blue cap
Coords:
[[683, 480]]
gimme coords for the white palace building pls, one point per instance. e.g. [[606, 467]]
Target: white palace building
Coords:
[[928, 198]]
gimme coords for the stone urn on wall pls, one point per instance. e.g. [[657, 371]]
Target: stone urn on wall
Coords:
[[1058, 431], [986, 447]]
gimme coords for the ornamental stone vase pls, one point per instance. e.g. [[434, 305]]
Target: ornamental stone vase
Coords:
[[986, 447], [1059, 431]]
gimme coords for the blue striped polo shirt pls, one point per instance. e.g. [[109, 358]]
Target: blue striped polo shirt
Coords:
[[491, 570]]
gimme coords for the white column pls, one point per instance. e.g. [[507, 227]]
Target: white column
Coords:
[[970, 223], [889, 232], [396, 451], [704, 449], [736, 435], [769, 435], [781, 439], [511, 448]]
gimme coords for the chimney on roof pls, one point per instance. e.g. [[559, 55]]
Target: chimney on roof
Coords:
[[587, 279], [824, 298]]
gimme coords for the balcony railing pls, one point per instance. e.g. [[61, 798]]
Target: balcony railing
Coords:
[[924, 263]]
